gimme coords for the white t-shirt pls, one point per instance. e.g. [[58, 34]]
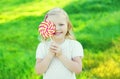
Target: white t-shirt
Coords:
[[56, 69]]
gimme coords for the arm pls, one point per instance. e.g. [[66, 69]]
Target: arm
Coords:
[[42, 64], [74, 65]]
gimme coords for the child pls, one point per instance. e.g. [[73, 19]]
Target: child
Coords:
[[61, 57]]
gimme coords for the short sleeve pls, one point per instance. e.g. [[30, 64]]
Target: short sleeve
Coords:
[[77, 49], [40, 51]]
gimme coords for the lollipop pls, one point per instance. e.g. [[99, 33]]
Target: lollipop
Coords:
[[46, 29]]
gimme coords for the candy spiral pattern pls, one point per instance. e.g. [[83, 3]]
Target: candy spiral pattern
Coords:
[[46, 29]]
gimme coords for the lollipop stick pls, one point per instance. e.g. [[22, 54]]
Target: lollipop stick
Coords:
[[51, 38]]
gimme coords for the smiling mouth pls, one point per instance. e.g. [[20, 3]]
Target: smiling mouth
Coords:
[[57, 33]]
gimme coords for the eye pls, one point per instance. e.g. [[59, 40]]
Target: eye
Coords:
[[61, 24]]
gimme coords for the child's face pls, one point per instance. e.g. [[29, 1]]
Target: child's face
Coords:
[[61, 25]]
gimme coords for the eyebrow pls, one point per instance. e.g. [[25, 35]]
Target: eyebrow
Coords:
[[61, 22]]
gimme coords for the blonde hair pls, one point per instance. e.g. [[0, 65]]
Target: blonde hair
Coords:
[[59, 11]]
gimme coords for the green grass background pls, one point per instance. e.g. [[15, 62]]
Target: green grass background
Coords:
[[96, 26]]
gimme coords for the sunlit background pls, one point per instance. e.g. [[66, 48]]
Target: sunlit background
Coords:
[[96, 25]]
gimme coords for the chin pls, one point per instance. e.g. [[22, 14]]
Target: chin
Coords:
[[59, 37]]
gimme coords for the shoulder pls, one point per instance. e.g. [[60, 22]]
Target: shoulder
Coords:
[[41, 44], [76, 48], [74, 42], [44, 44]]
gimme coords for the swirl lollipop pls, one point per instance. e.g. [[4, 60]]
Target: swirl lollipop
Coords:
[[46, 29]]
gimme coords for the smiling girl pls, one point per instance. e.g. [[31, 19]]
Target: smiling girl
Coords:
[[61, 57]]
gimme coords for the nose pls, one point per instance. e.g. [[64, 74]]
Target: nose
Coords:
[[57, 28]]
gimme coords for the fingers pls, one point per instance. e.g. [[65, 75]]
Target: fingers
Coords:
[[54, 44], [52, 48], [55, 48]]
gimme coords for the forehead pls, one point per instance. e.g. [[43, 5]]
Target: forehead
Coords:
[[57, 18]]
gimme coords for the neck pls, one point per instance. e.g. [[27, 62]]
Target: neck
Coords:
[[59, 41]]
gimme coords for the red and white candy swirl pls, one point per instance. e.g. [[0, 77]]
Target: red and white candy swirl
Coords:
[[46, 29]]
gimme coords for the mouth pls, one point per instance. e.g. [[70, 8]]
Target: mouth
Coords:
[[57, 33]]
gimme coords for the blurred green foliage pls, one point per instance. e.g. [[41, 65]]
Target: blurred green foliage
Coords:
[[96, 25]]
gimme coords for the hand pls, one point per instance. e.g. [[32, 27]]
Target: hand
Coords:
[[55, 48], [51, 53]]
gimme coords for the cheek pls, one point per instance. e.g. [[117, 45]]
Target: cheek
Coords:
[[65, 29]]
